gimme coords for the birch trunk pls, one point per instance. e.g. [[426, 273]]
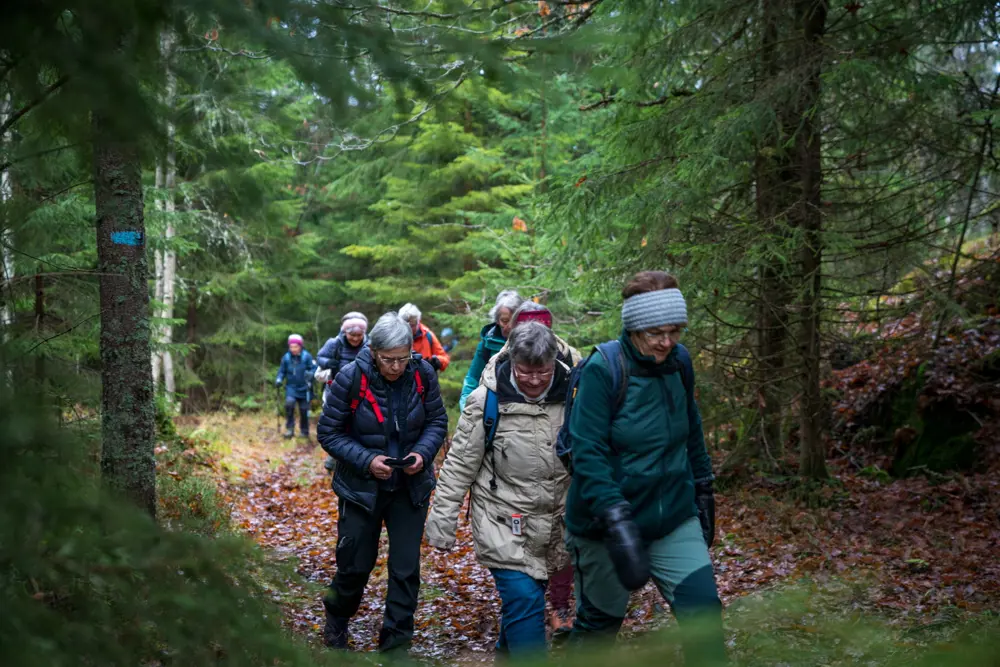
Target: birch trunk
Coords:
[[6, 192]]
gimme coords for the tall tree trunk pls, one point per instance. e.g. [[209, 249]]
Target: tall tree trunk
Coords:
[[811, 20], [157, 285], [773, 176], [40, 327], [6, 236], [127, 421], [169, 253]]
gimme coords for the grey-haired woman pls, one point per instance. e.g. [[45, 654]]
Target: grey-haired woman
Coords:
[[491, 339], [383, 422], [517, 483]]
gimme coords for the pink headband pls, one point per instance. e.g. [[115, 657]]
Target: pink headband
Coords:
[[355, 323], [543, 316]]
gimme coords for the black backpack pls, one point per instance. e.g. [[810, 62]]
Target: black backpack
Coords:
[[618, 365]]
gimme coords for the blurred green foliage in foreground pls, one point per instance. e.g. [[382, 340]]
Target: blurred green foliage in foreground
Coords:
[[88, 580]]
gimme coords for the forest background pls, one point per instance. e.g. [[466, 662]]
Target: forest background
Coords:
[[820, 177]]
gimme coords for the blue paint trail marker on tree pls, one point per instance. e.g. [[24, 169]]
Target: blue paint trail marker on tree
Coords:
[[128, 237]]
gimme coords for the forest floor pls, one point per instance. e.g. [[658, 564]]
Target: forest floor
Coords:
[[915, 553]]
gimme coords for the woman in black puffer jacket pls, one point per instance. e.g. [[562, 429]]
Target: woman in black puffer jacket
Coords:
[[383, 421]]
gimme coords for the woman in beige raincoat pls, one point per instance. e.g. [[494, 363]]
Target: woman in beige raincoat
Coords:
[[518, 485]]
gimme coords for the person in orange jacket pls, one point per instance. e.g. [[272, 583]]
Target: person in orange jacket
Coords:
[[425, 342]]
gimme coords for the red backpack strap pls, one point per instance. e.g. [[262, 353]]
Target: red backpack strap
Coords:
[[418, 378], [365, 392], [358, 389]]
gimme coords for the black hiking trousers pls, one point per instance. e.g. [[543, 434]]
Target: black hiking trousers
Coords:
[[357, 549]]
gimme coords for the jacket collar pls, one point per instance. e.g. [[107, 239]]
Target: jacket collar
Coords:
[[644, 364], [507, 393]]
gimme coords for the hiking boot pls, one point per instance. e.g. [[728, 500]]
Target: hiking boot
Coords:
[[335, 634], [304, 434], [390, 641], [330, 464], [561, 622], [289, 433]]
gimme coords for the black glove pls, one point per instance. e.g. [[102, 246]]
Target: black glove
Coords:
[[704, 498], [628, 553], [435, 363]]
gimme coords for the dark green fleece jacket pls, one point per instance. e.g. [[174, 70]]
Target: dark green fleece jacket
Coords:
[[651, 454]]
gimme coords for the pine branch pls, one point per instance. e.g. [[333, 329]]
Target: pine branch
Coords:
[[21, 158], [17, 115]]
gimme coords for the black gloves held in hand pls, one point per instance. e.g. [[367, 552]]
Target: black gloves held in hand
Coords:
[[704, 498], [435, 363], [625, 546]]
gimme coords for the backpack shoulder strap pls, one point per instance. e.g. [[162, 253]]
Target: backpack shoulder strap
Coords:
[[687, 370], [359, 384], [361, 390], [491, 417], [418, 379], [614, 357]]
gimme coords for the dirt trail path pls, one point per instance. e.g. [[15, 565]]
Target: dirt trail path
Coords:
[[917, 547]]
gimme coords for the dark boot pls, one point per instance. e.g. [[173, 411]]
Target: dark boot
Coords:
[[289, 433], [335, 634], [391, 641]]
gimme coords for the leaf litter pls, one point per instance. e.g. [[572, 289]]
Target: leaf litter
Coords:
[[910, 549]]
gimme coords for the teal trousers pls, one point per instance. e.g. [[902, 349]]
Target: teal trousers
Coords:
[[681, 569]]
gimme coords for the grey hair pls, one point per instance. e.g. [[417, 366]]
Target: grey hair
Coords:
[[390, 331], [533, 343], [410, 312], [509, 299]]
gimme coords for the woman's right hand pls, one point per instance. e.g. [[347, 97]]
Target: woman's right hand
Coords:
[[379, 469]]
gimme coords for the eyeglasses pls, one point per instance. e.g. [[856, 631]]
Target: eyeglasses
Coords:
[[533, 375], [392, 362], [662, 336]]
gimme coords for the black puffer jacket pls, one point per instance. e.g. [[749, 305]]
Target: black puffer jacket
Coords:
[[354, 440]]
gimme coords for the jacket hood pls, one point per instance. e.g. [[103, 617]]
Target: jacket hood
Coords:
[[567, 355], [366, 362], [492, 332], [502, 362], [343, 339]]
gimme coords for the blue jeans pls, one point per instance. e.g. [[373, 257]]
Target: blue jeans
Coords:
[[522, 622]]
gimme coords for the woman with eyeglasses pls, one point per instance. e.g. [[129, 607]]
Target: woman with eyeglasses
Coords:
[[383, 422], [641, 504], [517, 483]]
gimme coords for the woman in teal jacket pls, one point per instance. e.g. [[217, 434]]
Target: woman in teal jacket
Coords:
[[641, 504], [491, 340]]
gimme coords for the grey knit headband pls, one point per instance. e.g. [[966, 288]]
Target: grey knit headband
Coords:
[[654, 309]]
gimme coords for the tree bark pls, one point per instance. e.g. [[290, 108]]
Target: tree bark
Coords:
[[169, 253], [773, 176], [40, 327], [6, 192], [157, 285], [811, 19], [127, 421]]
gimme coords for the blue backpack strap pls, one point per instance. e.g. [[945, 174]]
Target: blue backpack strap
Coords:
[[491, 417], [614, 358], [687, 370]]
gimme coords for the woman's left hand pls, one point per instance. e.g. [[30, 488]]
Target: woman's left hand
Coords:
[[417, 465]]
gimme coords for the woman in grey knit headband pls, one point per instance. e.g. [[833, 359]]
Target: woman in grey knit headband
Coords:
[[641, 504]]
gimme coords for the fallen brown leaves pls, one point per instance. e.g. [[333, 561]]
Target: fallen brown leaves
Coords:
[[912, 546]]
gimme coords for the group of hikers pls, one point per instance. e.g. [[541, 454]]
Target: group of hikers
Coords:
[[586, 473]]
